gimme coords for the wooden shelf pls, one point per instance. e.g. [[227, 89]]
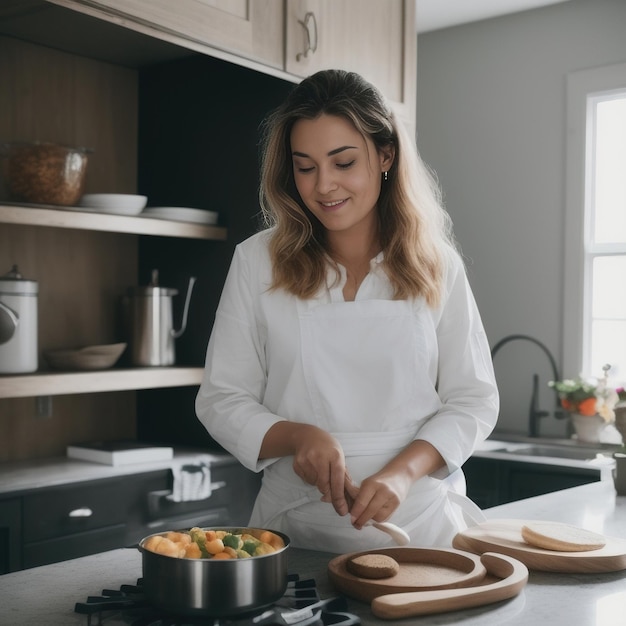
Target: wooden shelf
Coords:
[[57, 217], [63, 383]]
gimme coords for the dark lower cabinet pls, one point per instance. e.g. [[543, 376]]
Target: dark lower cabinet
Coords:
[[64, 522], [10, 535], [491, 482]]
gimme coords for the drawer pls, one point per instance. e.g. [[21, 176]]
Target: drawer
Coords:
[[63, 511], [73, 546]]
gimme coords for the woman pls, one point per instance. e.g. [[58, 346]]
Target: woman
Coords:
[[348, 360]]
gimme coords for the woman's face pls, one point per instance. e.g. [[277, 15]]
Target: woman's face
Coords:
[[337, 172]]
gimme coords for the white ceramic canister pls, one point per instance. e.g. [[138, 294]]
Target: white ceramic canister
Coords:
[[18, 322]]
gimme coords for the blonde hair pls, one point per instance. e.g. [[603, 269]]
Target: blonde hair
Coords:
[[415, 230]]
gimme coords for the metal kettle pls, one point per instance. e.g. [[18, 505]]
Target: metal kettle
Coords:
[[150, 321], [18, 323]]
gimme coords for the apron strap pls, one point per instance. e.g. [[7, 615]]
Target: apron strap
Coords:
[[472, 513]]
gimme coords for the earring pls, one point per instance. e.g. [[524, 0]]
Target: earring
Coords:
[[385, 175]]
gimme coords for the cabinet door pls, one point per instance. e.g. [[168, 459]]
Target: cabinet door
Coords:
[[10, 535], [376, 39], [528, 480], [68, 510], [249, 28]]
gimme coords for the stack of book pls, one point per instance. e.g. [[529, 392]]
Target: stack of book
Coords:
[[122, 452]]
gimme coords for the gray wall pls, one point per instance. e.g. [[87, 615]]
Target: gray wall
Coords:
[[491, 121]]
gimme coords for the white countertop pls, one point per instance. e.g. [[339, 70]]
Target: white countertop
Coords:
[[23, 476], [46, 595]]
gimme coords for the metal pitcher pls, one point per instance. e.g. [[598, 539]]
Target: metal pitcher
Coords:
[[150, 320]]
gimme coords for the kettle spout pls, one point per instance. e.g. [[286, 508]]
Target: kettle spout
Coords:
[[183, 325]]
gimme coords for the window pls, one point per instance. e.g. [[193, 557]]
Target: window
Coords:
[[595, 245]]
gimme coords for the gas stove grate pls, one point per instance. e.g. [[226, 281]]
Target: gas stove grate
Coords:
[[299, 606]]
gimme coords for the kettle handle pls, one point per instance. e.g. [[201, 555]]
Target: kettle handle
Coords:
[[177, 333]]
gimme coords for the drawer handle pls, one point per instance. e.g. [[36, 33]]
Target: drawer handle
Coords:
[[84, 511]]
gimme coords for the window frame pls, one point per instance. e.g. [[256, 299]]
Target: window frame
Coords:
[[581, 87]]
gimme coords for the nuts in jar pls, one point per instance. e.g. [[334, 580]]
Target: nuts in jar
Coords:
[[43, 173]]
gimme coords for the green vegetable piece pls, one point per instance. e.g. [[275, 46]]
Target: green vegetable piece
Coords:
[[249, 547], [197, 535], [232, 541]]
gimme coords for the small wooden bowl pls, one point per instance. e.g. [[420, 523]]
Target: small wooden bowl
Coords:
[[88, 358]]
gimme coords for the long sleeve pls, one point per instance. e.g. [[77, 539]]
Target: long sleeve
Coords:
[[229, 402], [465, 380]]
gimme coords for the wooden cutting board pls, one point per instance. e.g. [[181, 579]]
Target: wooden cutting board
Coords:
[[505, 537], [437, 581], [506, 577], [421, 569]]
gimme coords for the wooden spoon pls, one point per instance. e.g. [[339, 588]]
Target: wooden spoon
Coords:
[[395, 532]]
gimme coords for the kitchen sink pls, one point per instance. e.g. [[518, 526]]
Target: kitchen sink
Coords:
[[544, 450], [560, 452]]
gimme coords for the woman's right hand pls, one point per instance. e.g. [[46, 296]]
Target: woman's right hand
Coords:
[[318, 458]]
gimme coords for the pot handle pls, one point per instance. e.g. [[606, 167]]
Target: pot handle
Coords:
[[9, 321], [177, 333]]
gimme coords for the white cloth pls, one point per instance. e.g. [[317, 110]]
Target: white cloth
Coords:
[[377, 373], [191, 480]]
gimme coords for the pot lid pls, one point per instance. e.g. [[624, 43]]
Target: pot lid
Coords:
[[14, 282]]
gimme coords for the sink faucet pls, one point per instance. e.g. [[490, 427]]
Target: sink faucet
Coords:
[[534, 413]]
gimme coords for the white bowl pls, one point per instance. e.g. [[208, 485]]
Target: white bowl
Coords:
[[119, 203], [89, 358]]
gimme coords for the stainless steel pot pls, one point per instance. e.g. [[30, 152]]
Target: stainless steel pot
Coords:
[[212, 587]]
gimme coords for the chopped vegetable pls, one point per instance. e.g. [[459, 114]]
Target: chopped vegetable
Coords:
[[233, 541], [198, 543]]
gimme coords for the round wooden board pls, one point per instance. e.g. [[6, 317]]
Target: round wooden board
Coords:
[[421, 569], [505, 536]]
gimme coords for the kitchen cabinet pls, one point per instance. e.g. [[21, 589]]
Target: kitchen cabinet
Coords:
[[294, 38], [62, 522], [249, 28], [491, 482], [376, 39], [10, 535]]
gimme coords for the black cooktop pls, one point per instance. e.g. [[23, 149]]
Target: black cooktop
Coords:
[[299, 606]]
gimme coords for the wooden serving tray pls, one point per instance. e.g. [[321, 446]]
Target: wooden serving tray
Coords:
[[432, 581], [506, 577], [505, 537], [421, 569]]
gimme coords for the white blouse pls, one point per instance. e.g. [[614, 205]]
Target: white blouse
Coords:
[[255, 373]]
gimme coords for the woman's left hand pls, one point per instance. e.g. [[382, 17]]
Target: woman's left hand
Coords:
[[378, 497], [382, 493]]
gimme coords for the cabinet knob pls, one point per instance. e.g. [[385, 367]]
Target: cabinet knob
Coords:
[[311, 42], [84, 511]]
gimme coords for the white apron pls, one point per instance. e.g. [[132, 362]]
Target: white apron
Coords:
[[366, 364]]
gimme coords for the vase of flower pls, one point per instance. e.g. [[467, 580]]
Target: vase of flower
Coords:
[[591, 404], [588, 428]]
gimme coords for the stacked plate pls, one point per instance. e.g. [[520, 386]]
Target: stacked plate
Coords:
[[117, 203], [181, 214]]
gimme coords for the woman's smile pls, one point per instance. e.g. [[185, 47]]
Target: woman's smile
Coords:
[[333, 205]]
